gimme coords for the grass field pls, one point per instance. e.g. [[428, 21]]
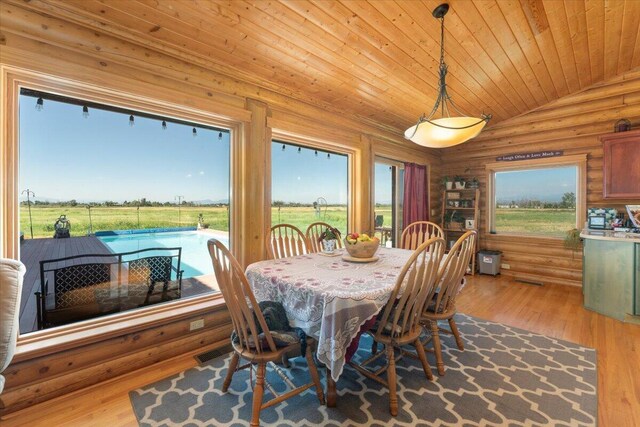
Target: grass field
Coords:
[[547, 222], [127, 218], [550, 222]]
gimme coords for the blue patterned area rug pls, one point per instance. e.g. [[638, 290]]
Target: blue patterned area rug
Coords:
[[505, 376]]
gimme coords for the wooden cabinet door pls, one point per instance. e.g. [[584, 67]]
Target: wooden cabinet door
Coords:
[[621, 167]]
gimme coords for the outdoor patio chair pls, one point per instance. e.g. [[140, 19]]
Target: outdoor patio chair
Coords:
[[90, 285]]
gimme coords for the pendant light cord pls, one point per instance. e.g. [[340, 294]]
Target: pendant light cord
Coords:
[[444, 100]]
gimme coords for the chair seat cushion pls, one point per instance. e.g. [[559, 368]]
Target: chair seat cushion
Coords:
[[280, 338], [282, 333]]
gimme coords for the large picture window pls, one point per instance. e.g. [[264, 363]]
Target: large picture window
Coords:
[[538, 198], [116, 206], [309, 185]]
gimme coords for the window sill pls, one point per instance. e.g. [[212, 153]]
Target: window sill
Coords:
[[519, 237], [42, 343]]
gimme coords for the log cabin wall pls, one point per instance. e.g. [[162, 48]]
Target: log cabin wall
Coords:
[[572, 124], [64, 50]]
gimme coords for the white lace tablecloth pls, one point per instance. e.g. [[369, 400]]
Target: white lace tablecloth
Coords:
[[330, 299]]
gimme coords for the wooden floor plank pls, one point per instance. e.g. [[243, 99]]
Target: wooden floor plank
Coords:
[[551, 310]]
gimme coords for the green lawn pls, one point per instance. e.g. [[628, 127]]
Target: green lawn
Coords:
[[547, 222], [551, 222], [119, 218]]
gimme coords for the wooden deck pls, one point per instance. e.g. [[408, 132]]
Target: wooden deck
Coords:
[[33, 251]]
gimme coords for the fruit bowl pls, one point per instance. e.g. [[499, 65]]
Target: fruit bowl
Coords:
[[361, 249]]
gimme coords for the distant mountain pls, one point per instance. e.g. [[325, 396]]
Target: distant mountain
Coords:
[[40, 199], [210, 202]]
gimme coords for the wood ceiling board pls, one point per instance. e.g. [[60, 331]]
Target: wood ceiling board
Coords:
[[629, 39], [394, 28], [473, 50], [374, 60], [380, 48], [495, 20], [328, 47], [521, 30], [613, 14], [594, 11], [477, 28], [559, 29], [407, 18], [577, 24]]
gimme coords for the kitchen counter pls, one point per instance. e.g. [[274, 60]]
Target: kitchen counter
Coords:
[[616, 236], [611, 273]]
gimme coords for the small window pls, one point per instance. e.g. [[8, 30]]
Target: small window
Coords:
[[535, 200]]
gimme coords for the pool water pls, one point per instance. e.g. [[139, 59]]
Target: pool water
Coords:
[[195, 259]]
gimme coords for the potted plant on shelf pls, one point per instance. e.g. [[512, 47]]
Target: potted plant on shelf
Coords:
[[447, 182], [459, 181], [328, 239], [454, 220], [474, 183]]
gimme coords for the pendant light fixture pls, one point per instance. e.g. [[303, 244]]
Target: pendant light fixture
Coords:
[[445, 131]]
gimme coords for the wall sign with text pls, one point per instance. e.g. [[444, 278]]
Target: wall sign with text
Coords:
[[527, 156]]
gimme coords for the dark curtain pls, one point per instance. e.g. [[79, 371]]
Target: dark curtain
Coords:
[[416, 206]]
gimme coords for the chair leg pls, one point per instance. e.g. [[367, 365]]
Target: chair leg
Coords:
[[233, 365], [258, 391], [313, 370], [454, 330], [285, 360], [423, 358], [392, 381], [437, 347]]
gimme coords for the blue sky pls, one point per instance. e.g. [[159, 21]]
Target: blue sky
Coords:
[[383, 190], [548, 184], [64, 156], [303, 177]]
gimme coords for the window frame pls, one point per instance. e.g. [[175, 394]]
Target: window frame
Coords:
[[577, 160], [12, 79], [285, 137]]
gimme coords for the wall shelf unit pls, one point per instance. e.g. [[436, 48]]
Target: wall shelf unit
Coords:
[[459, 207]]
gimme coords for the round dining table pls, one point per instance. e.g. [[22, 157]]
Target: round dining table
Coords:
[[329, 298]]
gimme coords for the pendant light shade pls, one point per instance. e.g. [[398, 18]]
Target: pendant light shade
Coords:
[[445, 131]]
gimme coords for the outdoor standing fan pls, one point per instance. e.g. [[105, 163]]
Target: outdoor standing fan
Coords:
[[62, 227]]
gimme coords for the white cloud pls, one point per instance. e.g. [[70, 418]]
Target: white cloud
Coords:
[[188, 175], [201, 173]]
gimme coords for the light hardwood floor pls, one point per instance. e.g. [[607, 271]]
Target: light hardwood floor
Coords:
[[551, 310]]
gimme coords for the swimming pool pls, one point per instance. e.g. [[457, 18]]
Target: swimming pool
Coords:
[[195, 259]]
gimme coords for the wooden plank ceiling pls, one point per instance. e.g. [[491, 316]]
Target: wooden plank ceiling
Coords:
[[378, 60]]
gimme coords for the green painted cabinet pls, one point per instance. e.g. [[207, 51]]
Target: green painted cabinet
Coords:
[[610, 277]]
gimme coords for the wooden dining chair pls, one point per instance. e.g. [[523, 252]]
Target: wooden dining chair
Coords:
[[253, 340], [442, 303], [286, 240], [417, 233], [313, 234], [399, 323]]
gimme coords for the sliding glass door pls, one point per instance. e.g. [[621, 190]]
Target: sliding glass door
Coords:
[[388, 200]]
